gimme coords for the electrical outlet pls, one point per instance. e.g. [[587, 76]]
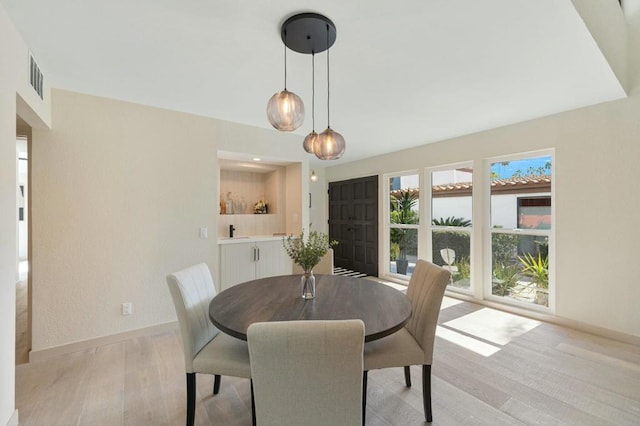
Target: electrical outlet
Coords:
[[204, 233], [127, 308]]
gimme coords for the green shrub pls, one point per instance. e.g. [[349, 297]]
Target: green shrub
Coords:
[[451, 221], [403, 211], [505, 278], [394, 251], [460, 242], [536, 269], [464, 268], [504, 248]]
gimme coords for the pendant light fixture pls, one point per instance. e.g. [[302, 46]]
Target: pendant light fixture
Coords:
[[307, 33], [330, 144], [309, 142], [285, 109]]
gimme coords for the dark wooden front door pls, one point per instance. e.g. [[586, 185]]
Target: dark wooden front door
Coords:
[[353, 222]]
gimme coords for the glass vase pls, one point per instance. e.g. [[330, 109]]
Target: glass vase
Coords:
[[308, 283]]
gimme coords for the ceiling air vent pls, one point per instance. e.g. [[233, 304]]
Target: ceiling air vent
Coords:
[[36, 78]]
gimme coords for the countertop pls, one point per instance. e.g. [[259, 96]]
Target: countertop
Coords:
[[250, 239]]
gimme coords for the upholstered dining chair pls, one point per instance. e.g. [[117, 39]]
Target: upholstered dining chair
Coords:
[[307, 373], [413, 344], [206, 349]]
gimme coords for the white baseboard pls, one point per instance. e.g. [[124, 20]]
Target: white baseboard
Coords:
[[13, 420], [48, 353], [553, 319], [55, 351]]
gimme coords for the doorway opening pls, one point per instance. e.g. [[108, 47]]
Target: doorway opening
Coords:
[[23, 284]]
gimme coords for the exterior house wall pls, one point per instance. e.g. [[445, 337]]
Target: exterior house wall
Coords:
[[451, 206], [504, 209]]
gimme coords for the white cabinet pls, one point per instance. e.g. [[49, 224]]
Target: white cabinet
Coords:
[[240, 262]]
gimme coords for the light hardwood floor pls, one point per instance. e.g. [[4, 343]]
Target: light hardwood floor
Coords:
[[22, 342], [490, 368]]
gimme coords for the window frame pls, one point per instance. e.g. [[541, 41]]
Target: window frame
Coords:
[[387, 225], [488, 233], [429, 227]]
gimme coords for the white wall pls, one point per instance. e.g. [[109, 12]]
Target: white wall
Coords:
[[13, 89], [596, 150], [297, 212], [7, 251], [119, 192], [318, 213]]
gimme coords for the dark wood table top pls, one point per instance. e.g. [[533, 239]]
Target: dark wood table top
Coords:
[[383, 309]]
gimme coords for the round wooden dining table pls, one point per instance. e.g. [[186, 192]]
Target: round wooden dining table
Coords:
[[383, 309]]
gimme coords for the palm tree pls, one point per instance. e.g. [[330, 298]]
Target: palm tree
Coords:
[[452, 221], [403, 211]]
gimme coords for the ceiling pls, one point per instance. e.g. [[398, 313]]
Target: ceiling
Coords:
[[402, 73]]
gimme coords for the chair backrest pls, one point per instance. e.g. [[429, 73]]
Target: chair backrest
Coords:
[[425, 292], [191, 290], [324, 267], [307, 372]]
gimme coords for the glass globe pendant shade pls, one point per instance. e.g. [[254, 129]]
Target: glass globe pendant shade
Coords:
[[329, 145], [285, 111], [309, 142]]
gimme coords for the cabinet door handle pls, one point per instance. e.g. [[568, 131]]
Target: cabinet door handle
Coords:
[[254, 254], [258, 251]]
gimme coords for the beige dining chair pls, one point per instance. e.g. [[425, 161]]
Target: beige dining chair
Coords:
[[324, 267], [413, 344], [307, 373], [206, 349]]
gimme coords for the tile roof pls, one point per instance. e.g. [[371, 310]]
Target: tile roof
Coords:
[[513, 184]]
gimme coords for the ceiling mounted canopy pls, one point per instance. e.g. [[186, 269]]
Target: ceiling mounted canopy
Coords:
[[309, 34]]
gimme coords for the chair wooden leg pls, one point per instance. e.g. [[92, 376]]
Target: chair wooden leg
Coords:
[[191, 398], [216, 384], [364, 395], [426, 392], [407, 375], [253, 406]]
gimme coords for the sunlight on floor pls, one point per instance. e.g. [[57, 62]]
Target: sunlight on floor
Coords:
[[492, 326], [466, 342], [448, 301]]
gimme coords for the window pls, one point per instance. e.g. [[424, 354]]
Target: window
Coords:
[[451, 226], [402, 222], [521, 224]]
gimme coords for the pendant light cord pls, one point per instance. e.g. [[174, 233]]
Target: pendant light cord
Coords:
[[328, 125], [313, 90], [285, 60]]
